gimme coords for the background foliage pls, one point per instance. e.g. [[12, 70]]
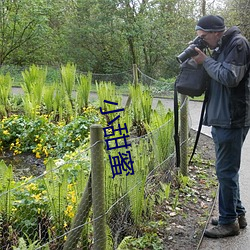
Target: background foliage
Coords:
[[106, 36]]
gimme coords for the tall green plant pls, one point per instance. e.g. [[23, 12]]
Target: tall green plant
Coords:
[[83, 90], [137, 182], [141, 103], [56, 184], [131, 185], [68, 74], [62, 106], [6, 184], [33, 85], [5, 90], [161, 129], [48, 98], [106, 91]]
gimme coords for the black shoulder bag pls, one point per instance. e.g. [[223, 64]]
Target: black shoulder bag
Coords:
[[192, 79]]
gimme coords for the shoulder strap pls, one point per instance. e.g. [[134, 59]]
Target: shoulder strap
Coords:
[[176, 127], [199, 127]]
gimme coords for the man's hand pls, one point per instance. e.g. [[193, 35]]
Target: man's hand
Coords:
[[200, 58]]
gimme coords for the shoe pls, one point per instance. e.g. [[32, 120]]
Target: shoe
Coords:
[[241, 219], [221, 231]]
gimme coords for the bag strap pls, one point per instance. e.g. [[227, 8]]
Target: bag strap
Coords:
[[199, 127], [176, 126]]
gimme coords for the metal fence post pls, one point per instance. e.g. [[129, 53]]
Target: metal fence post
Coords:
[[98, 195], [184, 135]]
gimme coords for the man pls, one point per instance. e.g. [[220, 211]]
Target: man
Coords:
[[228, 112]]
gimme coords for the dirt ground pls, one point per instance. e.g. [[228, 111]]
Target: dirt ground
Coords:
[[187, 222]]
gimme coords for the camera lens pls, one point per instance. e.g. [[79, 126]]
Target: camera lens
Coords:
[[187, 53], [190, 51]]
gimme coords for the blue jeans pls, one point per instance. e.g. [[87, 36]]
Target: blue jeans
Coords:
[[228, 145]]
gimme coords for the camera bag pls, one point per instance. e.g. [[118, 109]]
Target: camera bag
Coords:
[[192, 79]]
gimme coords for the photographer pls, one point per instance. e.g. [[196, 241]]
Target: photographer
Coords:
[[228, 112]]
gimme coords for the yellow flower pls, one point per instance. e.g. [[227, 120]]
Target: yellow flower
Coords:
[[73, 199], [6, 132], [38, 155], [69, 211], [31, 187], [14, 209], [17, 152], [37, 196], [45, 151]]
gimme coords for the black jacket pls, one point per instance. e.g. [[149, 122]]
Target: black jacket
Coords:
[[229, 90]]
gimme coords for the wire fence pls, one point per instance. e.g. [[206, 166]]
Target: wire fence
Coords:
[[59, 209]]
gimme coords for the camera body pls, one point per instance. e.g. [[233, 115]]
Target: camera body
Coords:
[[190, 51]]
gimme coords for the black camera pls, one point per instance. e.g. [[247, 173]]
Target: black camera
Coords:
[[190, 51]]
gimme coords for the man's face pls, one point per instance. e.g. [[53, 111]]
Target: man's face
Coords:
[[211, 38]]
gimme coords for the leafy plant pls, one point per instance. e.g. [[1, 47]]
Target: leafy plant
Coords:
[[34, 81], [43, 137], [107, 92], [147, 241], [30, 208], [6, 184], [161, 128], [165, 190], [184, 181], [68, 74], [141, 103], [22, 245], [48, 98], [5, 90], [176, 199], [83, 91]]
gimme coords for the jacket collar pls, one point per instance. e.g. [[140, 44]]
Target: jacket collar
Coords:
[[231, 32]]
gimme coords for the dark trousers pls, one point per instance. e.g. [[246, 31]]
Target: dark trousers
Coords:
[[228, 145]]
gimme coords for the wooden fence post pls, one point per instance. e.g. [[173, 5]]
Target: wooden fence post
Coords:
[[98, 188], [135, 82], [135, 74]]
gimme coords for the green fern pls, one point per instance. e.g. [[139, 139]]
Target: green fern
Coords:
[[33, 86], [56, 185], [68, 74], [5, 90], [161, 126], [6, 184], [83, 90]]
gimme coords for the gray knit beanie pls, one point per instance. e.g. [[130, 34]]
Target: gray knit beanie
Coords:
[[210, 23]]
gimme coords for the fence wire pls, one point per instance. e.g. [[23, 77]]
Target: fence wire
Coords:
[[45, 210]]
